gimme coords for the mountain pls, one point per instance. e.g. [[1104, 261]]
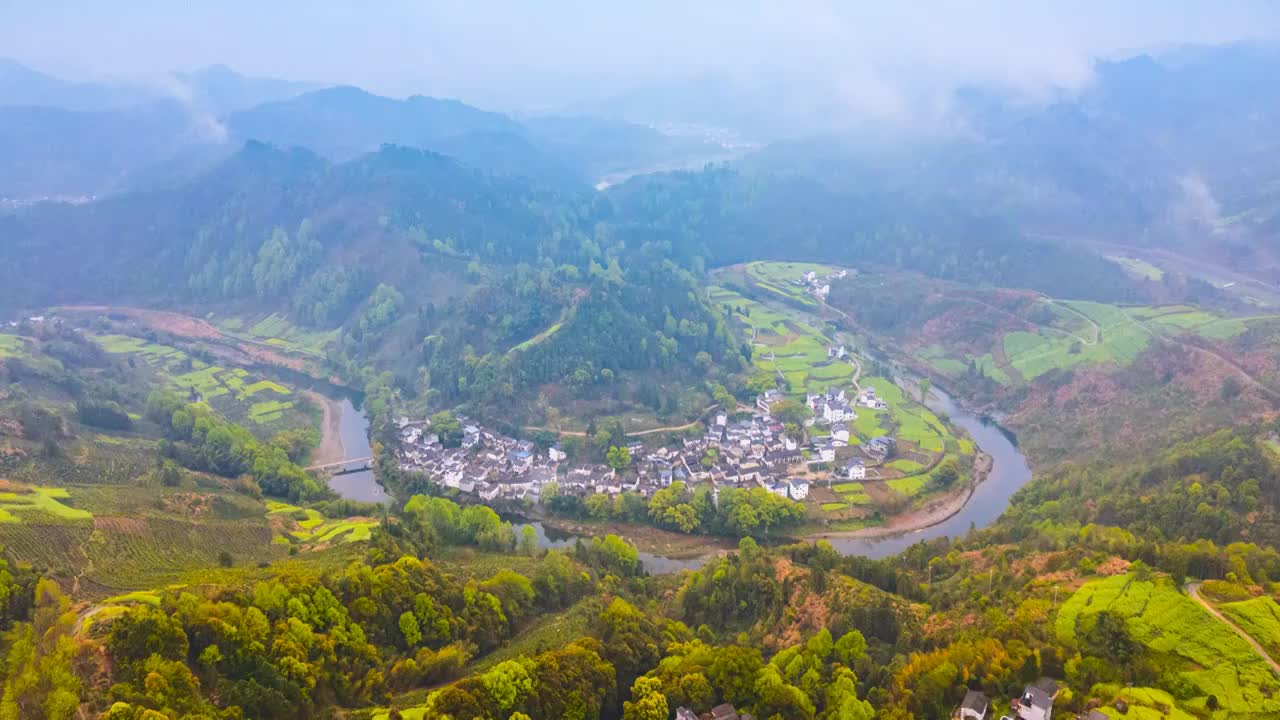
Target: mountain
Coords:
[[21, 85], [46, 151], [219, 90], [343, 122]]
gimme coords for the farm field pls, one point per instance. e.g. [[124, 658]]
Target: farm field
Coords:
[[1189, 645], [785, 344], [229, 390], [779, 277], [316, 529], [1260, 617], [1138, 268], [15, 506], [276, 330], [11, 346]]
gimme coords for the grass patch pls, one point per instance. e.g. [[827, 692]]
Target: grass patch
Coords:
[[263, 386], [12, 346], [1140, 269], [908, 486], [906, 467], [1260, 617], [139, 597], [39, 500], [835, 506]]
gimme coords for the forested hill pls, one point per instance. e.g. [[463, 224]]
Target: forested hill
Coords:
[[729, 215]]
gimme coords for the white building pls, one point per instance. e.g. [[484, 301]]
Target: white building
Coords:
[[798, 490], [855, 469]]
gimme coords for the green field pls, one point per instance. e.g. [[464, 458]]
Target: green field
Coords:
[[1260, 617], [1140, 269], [40, 500], [779, 278], [276, 330], [786, 345], [11, 346], [317, 529], [906, 467], [1193, 649], [916, 423], [1122, 339], [908, 486]]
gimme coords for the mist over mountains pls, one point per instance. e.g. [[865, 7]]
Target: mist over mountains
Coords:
[[1171, 149]]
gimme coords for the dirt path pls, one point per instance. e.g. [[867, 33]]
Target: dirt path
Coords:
[[330, 449], [1193, 589]]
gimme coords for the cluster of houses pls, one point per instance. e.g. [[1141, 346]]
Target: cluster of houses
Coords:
[[819, 286], [1035, 703], [740, 452]]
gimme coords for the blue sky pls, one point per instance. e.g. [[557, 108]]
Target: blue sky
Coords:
[[523, 55]]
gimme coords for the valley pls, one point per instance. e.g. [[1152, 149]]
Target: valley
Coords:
[[930, 400]]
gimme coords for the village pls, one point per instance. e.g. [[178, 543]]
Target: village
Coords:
[[736, 449]]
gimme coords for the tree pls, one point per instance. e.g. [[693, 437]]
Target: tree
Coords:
[[528, 541], [410, 630], [618, 457], [789, 411], [647, 701], [508, 682]]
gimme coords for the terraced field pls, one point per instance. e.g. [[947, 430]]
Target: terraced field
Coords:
[[230, 389], [275, 329], [15, 506], [1260, 617], [785, 344], [1200, 653], [315, 529]]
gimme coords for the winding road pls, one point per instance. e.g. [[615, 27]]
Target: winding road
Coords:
[[1193, 589]]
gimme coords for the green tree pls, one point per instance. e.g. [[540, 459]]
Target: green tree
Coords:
[[619, 458], [647, 701]]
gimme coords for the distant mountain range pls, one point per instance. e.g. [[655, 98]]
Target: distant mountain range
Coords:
[[60, 139]]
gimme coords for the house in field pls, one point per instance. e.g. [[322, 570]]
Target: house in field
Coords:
[[836, 352], [838, 411], [1036, 702], [798, 490], [973, 707], [683, 713], [880, 447], [840, 434], [855, 469], [767, 398]]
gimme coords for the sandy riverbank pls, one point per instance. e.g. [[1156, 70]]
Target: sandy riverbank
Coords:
[[330, 449]]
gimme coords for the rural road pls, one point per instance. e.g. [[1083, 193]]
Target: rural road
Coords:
[[1193, 589]]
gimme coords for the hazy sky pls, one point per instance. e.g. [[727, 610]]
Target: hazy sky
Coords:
[[523, 55]]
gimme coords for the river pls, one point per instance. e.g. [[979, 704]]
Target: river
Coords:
[[353, 428], [1009, 471]]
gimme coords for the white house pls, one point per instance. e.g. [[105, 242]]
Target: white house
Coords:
[[721, 419], [838, 411], [855, 469], [776, 488], [974, 706], [840, 433], [767, 398], [798, 490], [826, 452]]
